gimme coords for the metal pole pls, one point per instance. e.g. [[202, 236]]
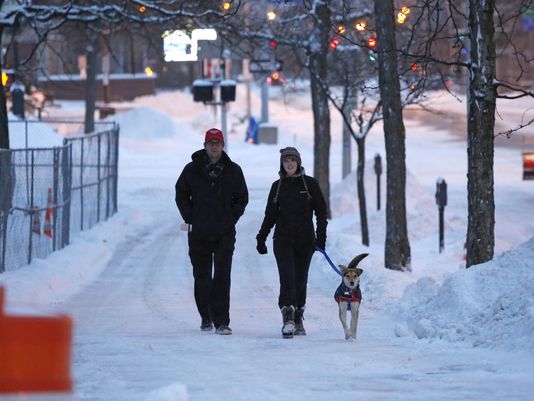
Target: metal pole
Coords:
[[54, 198], [66, 173], [81, 186], [246, 74], [378, 192], [224, 125], [98, 188], [441, 229], [108, 172], [32, 213], [116, 133], [264, 101]]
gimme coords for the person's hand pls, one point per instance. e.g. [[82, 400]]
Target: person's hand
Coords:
[[320, 243], [261, 247]]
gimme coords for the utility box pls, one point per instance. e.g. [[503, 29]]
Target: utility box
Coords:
[[267, 133], [202, 90], [228, 90]]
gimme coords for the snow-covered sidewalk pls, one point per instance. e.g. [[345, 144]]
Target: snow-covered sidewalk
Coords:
[[426, 335]]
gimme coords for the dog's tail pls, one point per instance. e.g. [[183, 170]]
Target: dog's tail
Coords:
[[354, 262]]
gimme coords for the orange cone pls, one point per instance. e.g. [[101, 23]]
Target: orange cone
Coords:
[[50, 201], [36, 223], [47, 229], [35, 353]]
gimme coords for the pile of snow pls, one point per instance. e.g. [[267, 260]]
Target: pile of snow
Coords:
[[491, 304], [173, 392], [420, 204], [39, 135], [144, 122]]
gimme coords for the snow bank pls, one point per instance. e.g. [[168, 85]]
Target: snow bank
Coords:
[[491, 304], [144, 122], [40, 135], [420, 204], [174, 392]]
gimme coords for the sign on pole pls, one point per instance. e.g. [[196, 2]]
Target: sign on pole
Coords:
[[265, 66]]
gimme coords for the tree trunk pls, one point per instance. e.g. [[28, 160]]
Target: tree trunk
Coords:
[[397, 247], [4, 128], [360, 174], [90, 88], [321, 112], [480, 140]]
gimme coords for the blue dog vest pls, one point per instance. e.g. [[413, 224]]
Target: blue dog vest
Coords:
[[344, 294]]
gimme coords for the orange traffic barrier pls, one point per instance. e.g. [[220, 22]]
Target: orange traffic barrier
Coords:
[[35, 352]]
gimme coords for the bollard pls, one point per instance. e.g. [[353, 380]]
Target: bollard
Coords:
[[35, 353], [378, 171], [441, 201]]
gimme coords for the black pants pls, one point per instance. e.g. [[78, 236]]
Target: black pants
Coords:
[[293, 260], [212, 265]]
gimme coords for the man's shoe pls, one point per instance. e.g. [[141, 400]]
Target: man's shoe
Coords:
[[223, 330], [206, 325]]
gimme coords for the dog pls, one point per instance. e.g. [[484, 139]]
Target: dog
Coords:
[[349, 296]]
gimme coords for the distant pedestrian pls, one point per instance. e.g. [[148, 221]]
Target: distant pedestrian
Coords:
[[293, 200], [211, 195]]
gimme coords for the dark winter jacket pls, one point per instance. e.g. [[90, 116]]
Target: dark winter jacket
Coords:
[[211, 198], [292, 213]]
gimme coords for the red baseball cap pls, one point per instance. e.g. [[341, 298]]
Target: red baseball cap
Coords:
[[214, 133]]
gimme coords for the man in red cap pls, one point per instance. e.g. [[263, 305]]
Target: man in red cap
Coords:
[[211, 195]]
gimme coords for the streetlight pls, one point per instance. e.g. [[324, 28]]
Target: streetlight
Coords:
[[361, 25], [271, 15]]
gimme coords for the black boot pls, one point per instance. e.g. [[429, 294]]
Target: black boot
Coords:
[[299, 325], [288, 319], [206, 324]]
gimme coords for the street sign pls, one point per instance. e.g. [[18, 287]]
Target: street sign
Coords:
[[265, 66]]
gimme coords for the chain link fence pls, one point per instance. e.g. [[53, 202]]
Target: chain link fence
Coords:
[[47, 194]]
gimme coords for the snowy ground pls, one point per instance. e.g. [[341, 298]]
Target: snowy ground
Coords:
[[438, 333]]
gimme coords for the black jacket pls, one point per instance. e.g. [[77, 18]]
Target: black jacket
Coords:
[[293, 211], [211, 198]]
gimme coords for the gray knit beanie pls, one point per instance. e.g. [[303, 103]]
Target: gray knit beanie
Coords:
[[290, 152]]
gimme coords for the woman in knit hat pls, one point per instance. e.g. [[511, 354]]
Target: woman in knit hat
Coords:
[[293, 200]]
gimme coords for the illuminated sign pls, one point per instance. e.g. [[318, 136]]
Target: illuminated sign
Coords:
[[179, 46]]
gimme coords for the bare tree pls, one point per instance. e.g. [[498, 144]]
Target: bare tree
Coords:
[[397, 246], [318, 66], [475, 28], [97, 16]]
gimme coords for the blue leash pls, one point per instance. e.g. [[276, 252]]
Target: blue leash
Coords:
[[329, 260]]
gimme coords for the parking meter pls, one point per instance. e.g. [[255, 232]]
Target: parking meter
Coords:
[[441, 201], [378, 171], [441, 193]]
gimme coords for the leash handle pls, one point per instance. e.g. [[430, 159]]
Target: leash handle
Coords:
[[328, 260]]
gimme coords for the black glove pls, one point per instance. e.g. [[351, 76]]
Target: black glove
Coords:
[[261, 248], [320, 243]]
